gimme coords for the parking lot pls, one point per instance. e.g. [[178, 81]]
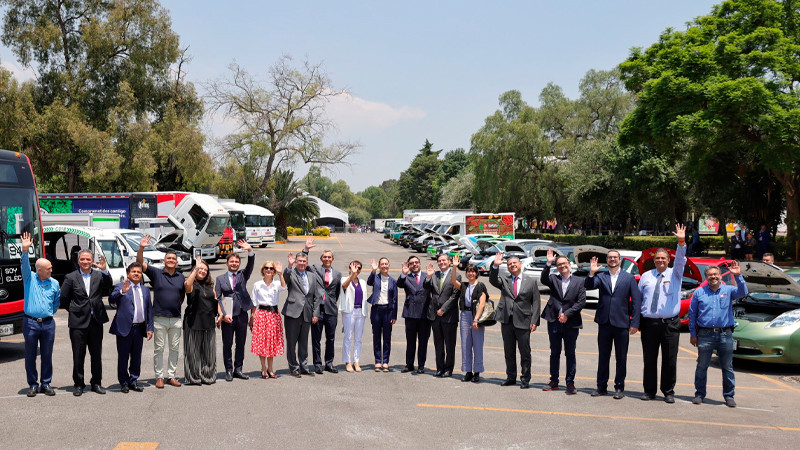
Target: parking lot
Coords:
[[392, 409]]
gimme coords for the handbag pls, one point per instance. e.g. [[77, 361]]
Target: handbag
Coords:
[[488, 316]]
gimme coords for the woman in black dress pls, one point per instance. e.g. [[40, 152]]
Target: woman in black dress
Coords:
[[199, 336]]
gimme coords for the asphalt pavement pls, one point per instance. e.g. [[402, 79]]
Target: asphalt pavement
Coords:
[[381, 410]]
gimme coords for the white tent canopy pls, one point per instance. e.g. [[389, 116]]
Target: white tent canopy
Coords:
[[329, 214]]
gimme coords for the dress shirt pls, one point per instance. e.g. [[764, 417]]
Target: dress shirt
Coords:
[[383, 297], [232, 279], [87, 281], [445, 274], [266, 294], [468, 295], [614, 277], [304, 277], [138, 305], [714, 309], [669, 301], [565, 283], [42, 297]]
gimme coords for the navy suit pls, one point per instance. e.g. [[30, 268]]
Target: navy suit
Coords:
[[570, 303], [130, 336], [618, 310], [415, 313], [381, 317], [444, 328], [242, 303]]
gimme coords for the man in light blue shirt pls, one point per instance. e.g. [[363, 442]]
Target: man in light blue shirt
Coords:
[[42, 297], [711, 327], [660, 324]]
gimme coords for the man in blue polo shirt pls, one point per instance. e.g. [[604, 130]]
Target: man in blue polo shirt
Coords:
[[168, 294], [711, 328], [42, 297]]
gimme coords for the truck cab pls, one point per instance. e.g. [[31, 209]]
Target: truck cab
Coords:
[[199, 222]]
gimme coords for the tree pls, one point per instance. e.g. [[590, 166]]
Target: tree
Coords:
[[279, 123], [721, 99], [286, 200], [416, 187], [318, 184], [457, 191]]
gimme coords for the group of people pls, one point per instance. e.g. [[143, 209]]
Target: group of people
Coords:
[[748, 246], [437, 302]]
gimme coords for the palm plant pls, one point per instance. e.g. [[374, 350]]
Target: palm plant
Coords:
[[286, 199]]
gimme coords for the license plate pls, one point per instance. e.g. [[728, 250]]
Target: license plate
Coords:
[[735, 344], [7, 330]]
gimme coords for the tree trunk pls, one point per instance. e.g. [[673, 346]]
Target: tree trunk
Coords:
[[280, 224]]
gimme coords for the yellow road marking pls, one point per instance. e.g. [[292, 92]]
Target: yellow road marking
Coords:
[[340, 242], [779, 383], [136, 446], [688, 351], [608, 416]]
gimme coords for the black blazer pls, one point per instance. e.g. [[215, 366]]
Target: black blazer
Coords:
[[623, 307], [480, 288], [417, 296], [330, 303], [444, 298], [241, 298], [374, 280], [80, 305], [570, 302]]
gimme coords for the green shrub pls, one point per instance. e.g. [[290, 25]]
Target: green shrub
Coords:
[[321, 231], [291, 231]]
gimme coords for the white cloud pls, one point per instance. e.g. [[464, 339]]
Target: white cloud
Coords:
[[353, 115], [19, 73]]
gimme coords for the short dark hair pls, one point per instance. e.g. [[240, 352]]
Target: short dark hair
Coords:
[[412, 257], [134, 265], [662, 250], [472, 268], [712, 267], [232, 255], [382, 258]]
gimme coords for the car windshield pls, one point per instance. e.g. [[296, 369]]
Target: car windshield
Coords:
[[237, 220], [133, 240]]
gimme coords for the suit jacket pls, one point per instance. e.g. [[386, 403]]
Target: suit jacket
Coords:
[[570, 302], [444, 298], [330, 304], [621, 308], [374, 280], [417, 296], [80, 305], [299, 304], [241, 298], [123, 320], [525, 307]]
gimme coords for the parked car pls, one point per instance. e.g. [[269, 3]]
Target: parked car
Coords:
[[767, 320]]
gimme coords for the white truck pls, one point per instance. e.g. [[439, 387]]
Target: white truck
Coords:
[[199, 222], [259, 223]]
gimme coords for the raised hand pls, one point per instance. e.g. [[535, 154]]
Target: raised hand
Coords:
[[102, 265], [26, 242], [145, 242], [126, 286], [593, 265], [551, 256], [680, 232], [310, 244], [456, 261], [374, 265], [736, 269], [353, 269], [405, 268], [498, 259], [430, 270], [244, 245], [198, 260], [278, 268], [291, 259]]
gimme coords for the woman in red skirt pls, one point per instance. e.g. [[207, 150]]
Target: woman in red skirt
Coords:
[[265, 321]]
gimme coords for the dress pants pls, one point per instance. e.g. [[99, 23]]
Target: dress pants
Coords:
[[38, 336], [296, 342], [519, 338], [381, 333], [417, 331], [238, 328], [328, 322], [664, 334], [353, 330], [444, 342], [166, 332], [471, 344], [129, 349], [558, 333], [608, 335], [81, 338]]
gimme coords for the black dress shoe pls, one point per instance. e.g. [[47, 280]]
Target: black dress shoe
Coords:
[[447, 374], [407, 369], [669, 398], [238, 374], [331, 369], [647, 397], [509, 383], [33, 391], [136, 388], [97, 389], [304, 371], [618, 394], [524, 385], [421, 370], [467, 377], [296, 374], [598, 393], [438, 374], [124, 388], [318, 370], [228, 376], [78, 391], [47, 390], [476, 377]]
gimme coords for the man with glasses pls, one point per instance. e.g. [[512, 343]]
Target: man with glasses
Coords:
[[415, 313], [331, 283], [618, 313]]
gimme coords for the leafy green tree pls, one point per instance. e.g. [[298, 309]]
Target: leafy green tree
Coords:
[[416, 187], [285, 198], [318, 184], [721, 98], [457, 191]]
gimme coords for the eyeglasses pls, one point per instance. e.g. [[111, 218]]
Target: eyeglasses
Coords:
[[269, 268]]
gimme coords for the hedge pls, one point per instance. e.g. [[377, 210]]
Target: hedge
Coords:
[[321, 231], [295, 231], [622, 242]]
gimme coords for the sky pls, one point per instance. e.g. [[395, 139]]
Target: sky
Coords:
[[415, 70]]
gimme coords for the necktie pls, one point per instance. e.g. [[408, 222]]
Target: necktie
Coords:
[[516, 279], [327, 277], [656, 295], [416, 276], [441, 281], [233, 281], [137, 297], [305, 283]]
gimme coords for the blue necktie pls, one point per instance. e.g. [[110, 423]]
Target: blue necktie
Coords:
[[656, 295]]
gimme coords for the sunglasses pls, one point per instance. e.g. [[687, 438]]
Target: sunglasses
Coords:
[[269, 268]]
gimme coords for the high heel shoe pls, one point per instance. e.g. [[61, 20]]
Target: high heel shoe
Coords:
[[272, 374], [264, 374]]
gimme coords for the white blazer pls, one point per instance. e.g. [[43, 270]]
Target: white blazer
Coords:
[[347, 297]]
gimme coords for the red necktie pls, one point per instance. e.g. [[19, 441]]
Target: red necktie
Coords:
[[417, 277], [327, 277], [515, 285]]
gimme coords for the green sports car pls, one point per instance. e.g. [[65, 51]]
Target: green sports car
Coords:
[[768, 319]]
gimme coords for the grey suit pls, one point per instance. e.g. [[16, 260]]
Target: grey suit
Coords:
[[516, 314], [298, 310], [329, 315], [445, 328]]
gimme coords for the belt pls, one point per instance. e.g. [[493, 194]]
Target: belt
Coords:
[[40, 319], [268, 308], [658, 319], [718, 330], [138, 324]]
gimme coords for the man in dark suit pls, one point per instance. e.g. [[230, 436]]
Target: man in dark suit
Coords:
[[563, 316], [83, 292], [331, 285], [233, 283], [443, 314], [618, 313], [132, 322], [518, 314], [300, 311], [415, 313]]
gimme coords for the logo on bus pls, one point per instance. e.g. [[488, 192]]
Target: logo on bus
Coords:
[[143, 204]]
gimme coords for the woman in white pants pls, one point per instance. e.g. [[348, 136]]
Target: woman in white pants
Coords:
[[353, 305]]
